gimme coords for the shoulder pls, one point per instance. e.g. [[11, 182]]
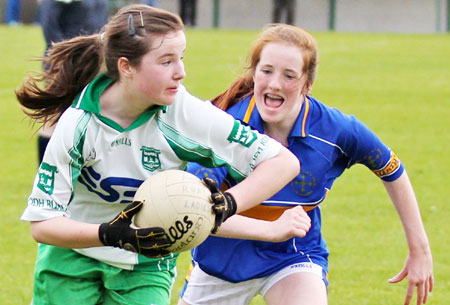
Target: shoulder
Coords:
[[72, 124], [184, 99], [330, 117], [239, 109], [190, 114]]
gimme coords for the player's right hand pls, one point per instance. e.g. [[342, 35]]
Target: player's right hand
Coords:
[[151, 242]]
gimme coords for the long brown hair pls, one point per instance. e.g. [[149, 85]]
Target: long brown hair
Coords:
[[73, 63], [243, 85]]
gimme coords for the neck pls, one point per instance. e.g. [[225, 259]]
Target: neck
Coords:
[[279, 133], [118, 105]]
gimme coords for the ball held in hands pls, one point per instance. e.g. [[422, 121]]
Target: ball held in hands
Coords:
[[150, 242]]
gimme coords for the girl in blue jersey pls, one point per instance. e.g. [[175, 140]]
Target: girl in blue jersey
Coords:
[[114, 130], [272, 97]]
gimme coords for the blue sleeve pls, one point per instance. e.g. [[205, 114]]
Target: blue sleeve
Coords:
[[365, 147], [218, 174]]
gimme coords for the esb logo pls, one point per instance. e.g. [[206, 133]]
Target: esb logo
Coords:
[[111, 189]]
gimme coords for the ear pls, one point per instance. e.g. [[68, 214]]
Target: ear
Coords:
[[307, 88], [124, 67]]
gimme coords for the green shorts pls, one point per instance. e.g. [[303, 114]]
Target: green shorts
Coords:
[[63, 276]]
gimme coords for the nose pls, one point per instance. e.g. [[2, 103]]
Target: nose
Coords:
[[179, 71], [274, 82]]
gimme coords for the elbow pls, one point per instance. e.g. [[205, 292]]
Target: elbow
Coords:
[[293, 161], [297, 165], [36, 231]]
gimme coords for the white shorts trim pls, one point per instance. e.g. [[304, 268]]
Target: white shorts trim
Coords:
[[204, 289]]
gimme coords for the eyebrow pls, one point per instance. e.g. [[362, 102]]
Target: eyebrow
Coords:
[[168, 54], [286, 70]]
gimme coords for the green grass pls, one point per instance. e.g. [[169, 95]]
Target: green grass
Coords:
[[399, 85]]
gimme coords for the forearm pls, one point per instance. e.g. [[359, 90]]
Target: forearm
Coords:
[[404, 200], [243, 227], [66, 233], [294, 222], [267, 179]]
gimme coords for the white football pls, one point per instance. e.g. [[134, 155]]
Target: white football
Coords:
[[180, 203]]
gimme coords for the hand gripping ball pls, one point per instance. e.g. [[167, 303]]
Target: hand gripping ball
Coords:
[[178, 202]]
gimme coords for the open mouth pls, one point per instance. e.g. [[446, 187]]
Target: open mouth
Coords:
[[273, 101]]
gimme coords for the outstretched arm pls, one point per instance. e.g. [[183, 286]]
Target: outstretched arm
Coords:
[[294, 222], [67, 233], [419, 264]]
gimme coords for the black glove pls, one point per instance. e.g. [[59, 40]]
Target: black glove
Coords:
[[224, 205], [150, 242]]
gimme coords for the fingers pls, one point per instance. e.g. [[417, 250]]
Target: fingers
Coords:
[[423, 290], [218, 209], [294, 222], [423, 287], [301, 218], [399, 277], [430, 283], [211, 184], [133, 208], [156, 254], [420, 293], [428, 288], [151, 232], [217, 223], [152, 238], [409, 294]]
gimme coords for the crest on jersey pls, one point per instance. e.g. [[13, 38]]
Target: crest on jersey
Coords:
[[46, 175], [150, 158], [304, 184], [242, 134], [374, 160]]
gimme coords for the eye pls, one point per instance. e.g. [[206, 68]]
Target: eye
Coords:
[[290, 76], [166, 62], [266, 71]]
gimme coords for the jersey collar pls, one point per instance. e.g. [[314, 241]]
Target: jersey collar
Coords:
[[301, 126], [89, 100]]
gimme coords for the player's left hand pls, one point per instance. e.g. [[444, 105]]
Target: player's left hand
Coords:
[[419, 270], [294, 222], [224, 205]]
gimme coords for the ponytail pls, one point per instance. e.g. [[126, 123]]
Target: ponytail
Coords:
[[72, 64], [240, 88]]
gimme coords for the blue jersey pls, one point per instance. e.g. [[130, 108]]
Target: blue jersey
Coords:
[[326, 142]]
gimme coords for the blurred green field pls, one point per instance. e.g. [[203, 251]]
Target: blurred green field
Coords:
[[399, 85]]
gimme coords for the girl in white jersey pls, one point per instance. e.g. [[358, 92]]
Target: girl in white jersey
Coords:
[[115, 129]]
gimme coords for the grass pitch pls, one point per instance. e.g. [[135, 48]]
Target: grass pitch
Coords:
[[399, 85]]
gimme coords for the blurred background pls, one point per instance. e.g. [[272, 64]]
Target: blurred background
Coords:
[[393, 16], [386, 61]]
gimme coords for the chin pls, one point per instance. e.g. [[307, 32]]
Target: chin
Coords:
[[270, 119], [167, 101]]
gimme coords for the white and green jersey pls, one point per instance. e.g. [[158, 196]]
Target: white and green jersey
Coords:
[[92, 166]]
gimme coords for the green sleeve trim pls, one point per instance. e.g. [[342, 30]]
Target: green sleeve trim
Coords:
[[76, 151], [190, 150]]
